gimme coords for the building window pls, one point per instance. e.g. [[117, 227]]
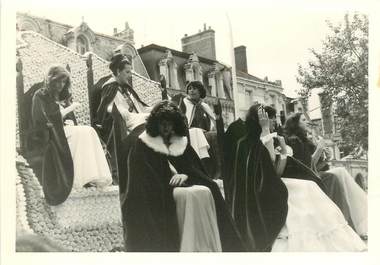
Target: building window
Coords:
[[248, 98], [82, 45]]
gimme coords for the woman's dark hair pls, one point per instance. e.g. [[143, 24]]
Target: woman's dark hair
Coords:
[[292, 126], [271, 112], [198, 85], [55, 74], [252, 122], [118, 62], [166, 110]]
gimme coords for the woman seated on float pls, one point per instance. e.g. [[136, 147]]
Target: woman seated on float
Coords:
[[170, 203], [72, 155], [340, 186], [296, 216]]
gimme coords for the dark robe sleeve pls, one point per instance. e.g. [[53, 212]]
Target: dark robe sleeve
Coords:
[[298, 149], [148, 211], [102, 116], [299, 165], [57, 170]]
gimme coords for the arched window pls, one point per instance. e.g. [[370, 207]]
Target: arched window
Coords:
[[82, 44]]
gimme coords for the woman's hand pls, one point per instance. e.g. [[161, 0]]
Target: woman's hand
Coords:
[[282, 143], [263, 119], [321, 144], [75, 105], [178, 180]]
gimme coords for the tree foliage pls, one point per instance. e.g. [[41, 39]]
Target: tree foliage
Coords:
[[341, 70]]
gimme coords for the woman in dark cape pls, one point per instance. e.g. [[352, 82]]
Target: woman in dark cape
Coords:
[[55, 169], [149, 209], [259, 199], [72, 155], [337, 183]]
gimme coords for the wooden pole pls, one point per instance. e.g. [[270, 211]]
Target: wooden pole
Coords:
[[90, 84], [233, 69], [20, 103]]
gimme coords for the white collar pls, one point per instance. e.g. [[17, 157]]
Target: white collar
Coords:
[[176, 148]]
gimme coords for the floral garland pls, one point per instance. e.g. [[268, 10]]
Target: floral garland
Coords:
[[36, 216]]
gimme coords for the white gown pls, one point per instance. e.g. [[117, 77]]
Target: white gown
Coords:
[[314, 222], [356, 198], [90, 164], [198, 227]]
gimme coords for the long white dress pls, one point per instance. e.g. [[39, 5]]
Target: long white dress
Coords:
[[197, 221], [198, 227], [90, 164], [314, 222], [356, 198]]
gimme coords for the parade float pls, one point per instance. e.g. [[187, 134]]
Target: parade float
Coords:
[[90, 219]]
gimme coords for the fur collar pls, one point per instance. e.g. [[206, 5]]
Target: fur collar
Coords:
[[176, 148]]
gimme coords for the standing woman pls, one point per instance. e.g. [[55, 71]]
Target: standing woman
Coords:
[[340, 186], [200, 117], [72, 156]]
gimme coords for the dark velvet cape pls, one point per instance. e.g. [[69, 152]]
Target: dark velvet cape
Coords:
[[148, 209], [235, 131], [111, 127], [299, 165], [107, 95], [260, 198], [55, 169]]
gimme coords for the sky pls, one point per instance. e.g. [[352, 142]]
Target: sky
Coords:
[[277, 39]]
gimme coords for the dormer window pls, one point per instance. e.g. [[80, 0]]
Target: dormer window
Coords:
[[82, 44]]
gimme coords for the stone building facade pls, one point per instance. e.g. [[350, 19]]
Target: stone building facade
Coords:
[[251, 89], [196, 61], [202, 43], [178, 67], [83, 39]]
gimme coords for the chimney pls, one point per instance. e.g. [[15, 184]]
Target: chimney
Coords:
[[202, 43], [279, 83], [126, 25], [114, 31], [241, 59]]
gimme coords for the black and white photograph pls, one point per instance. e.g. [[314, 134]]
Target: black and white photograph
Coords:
[[201, 127]]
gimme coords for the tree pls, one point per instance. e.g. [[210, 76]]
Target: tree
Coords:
[[341, 70]]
